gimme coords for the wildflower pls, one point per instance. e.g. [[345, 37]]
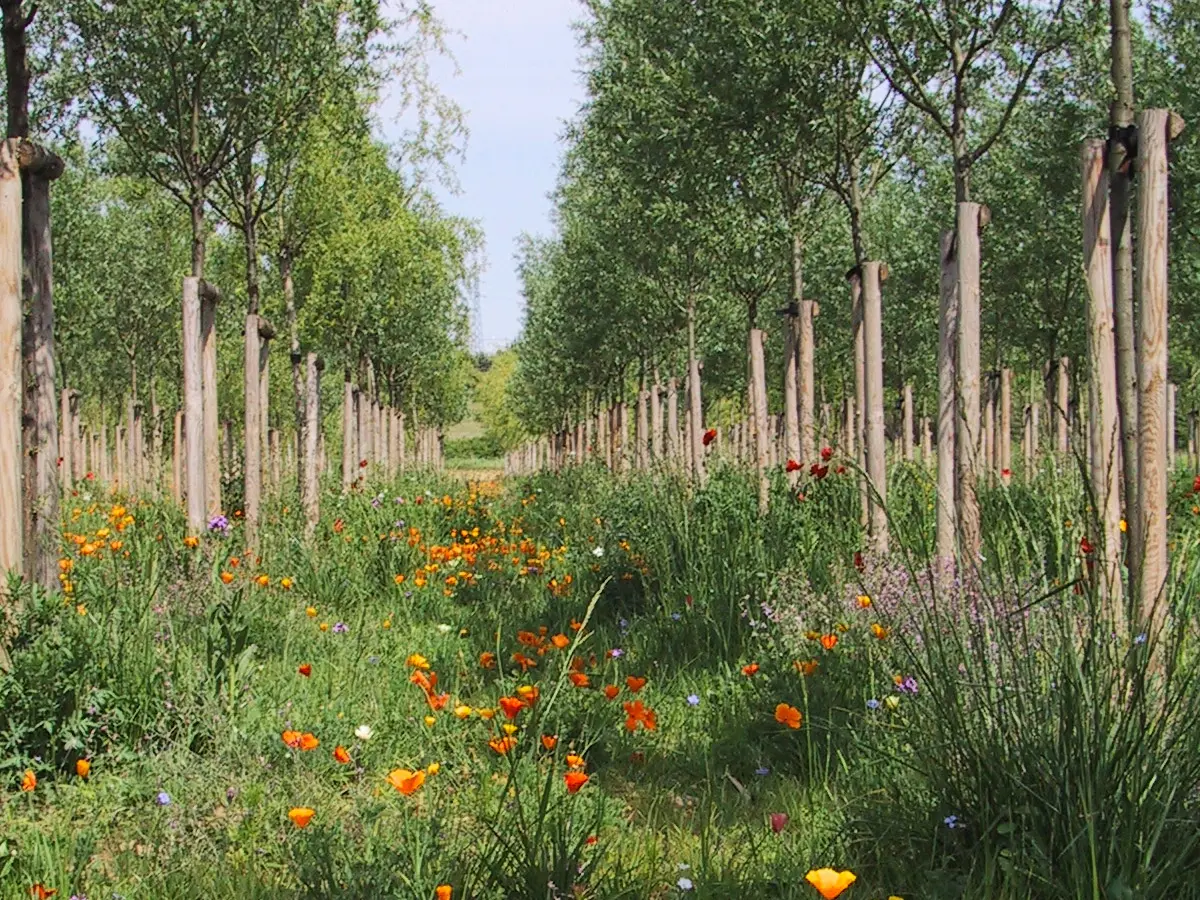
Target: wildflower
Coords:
[[793, 466], [487, 660], [693, 700], [1124, 526], [363, 732], [907, 685], [341, 755], [805, 666], [575, 780], [486, 712], [462, 711], [80, 609], [301, 816], [560, 641], [749, 670], [634, 683], [892, 702], [637, 713], [310, 611], [579, 679], [864, 601], [525, 662], [82, 768], [549, 741], [305, 669], [826, 453], [286, 583], [872, 704], [308, 741], [597, 552], [788, 715], [226, 577], [709, 437], [218, 524], [529, 694], [574, 761], [433, 768], [263, 581], [1085, 546], [191, 542], [41, 892], [830, 884], [951, 822], [762, 771], [879, 631], [430, 720], [575, 626], [502, 744], [162, 798], [28, 781], [443, 892], [829, 641], [406, 781], [778, 821], [417, 661], [511, 706], [340, 628], [1140, 639]]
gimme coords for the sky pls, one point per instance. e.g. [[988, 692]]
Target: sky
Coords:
[[517, 84]]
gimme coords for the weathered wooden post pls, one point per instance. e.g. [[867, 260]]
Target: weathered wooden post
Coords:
[[906, 439], [643, 427], [349, 430], [1062, 400], [791, 387], [674, 440], [758, 393], [79, 439], [947, 514], [1156, 127], [856, 325], [1170, 428], [209, 298], [972, 218], [310, 489], [806, 310], [252, 473], [696, 422], [196, 455], [66, 444], [989, 427], [1006, 378], [266, 333], [177, 459], [1193, 461], [873, 276], [926, 441], [12, 544]]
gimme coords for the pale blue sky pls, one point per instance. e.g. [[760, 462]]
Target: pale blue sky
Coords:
[[518, 83]]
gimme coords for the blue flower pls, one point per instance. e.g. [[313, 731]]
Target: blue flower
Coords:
[[762, 771], [693, 700], [951, 821], [676, 616], [162, 798], [684, 883], [1140, 639], [872, 703]]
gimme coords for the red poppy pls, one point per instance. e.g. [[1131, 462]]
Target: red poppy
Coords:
[[858, 560], [826, 453], [709, 436], [793, 466], [750, 669], [818, 471], [305, 670], [1195, 485], [1085, 546], [575, 780], [362, 463], [611, 691], [634, 683]]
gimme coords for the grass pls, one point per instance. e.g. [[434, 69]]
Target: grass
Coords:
[[1057, 750]]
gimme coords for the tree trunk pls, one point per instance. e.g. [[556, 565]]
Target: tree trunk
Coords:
[[758, 394], [297, 360], [906, 439], [674, 443], [860, 422], [947, 513], [196, 457], [805, 374], [970, 222], [310, 485], [1155, 128], [211, 423], [873, 275], [695, 406]]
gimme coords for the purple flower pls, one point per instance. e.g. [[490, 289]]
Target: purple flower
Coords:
[[762, 771], [340, 628], [872, 703], [951, 821], [907, 686], [616, 652], [693, 700], [218, 525], [162, 798], [676, 616]]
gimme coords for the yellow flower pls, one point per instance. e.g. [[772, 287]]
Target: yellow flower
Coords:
[[387, 623], [429, 720], [509, 728], [324, 626], [417, 661], [863, 601], [893, 702], [1124, 526], [311, 612], [463, 712], [81, 609], [433, 768], [830, 883], [286, 583]]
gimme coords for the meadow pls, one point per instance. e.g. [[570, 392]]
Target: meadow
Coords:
[[578, 685]]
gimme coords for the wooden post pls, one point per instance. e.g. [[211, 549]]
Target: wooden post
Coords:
[[791, 386], [401, 446], [12, 545], [196, 455], [310, 489], [926, 440], [656, 419], [947, 514], [758, 380], [873, 276], [1006, 377], [66, 444], [856, 325], [906, 439], [805, 353], [349, 428], [1170, 429], [1156, 127], [252, 473], [674, 442], [177, 459], [643, 428], [696, 422], [79, 440], [972, 218], [1193, 460], [1062, 399], [266, 333], [989, 427], [212, 449]]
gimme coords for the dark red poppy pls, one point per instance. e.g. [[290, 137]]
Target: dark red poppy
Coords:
[[1196, 485], [362, 463], [793, 466], [826, 453], [688, 600], [818, 471], [1006, 473], [1085, 546], [709, 436], [840, 470], [858, 560]]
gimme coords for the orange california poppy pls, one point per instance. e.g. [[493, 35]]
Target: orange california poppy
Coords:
[[226, 577], [41, 892], [443, 892], [637, 713], [634, 683], [549, 741], [750, 669], [502, 744], [28, 781], [305, 670], [829, 641], [341, 755], [406, 781], [487, 660], [830, 884], [788, 715], [437, 701], [82, 768], [575, 761], [611, 691], [805, 666], [579, 679], [511, 706], [879, 631], [486, 712], [561, 641], [528, 693], [575, 626], [575, 780], [292, 739], [525, 662], [301, 816], [417, 661], [308, 741]]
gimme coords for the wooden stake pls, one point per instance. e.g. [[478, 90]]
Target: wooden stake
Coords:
[[1155, 128], [311, 488], [791, 388], [1170, 428], [947, 514], [212, 449], [349, 431], [12, 559], [252, 473], [906, 439], [971, 219], [196, 456], [873, 275], [856, 324], [758, 380]]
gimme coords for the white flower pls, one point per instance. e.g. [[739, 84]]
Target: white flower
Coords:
[[363, 732], [598, 552], [444, 628]]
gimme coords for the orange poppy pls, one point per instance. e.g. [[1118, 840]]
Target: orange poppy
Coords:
[[292, 739], [406, 781], [611, 691], [305, 670], [511, 706], [579, 679], [549, 741], [575, 626], [443, 892], [526, 663], [308, 741], [637, 713], [41, 892], [788, 715], [829, 883], [301, 816], [575, 780], [528, 638], [634, 684], [528, 693], [561, 641], [502, 744], [341, 755], [226, 577], [574, 761], [487, 660], [829, 641], [437, 701], [417, 661], [750, 669], [879, 631], [82, 768], [806, 666]]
